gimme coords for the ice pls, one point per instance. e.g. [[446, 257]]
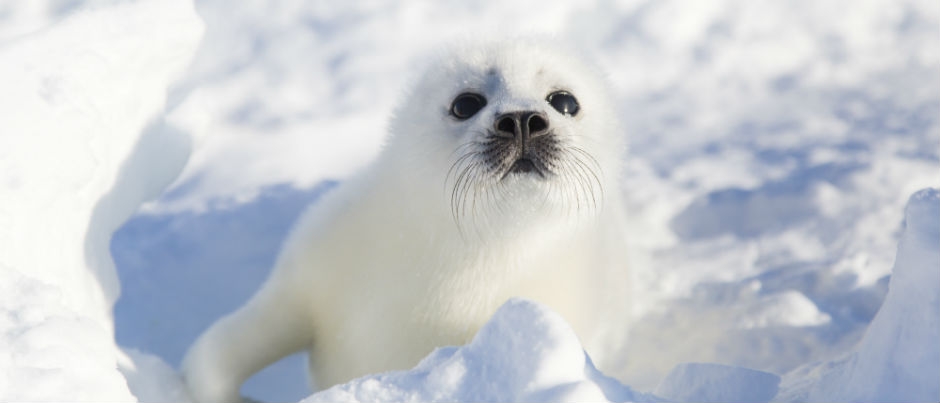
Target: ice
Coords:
[[82, 146], [899, 357]]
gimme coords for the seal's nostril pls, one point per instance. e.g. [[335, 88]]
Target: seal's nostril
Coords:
[[536, 124], [523, 124], [506, 124]]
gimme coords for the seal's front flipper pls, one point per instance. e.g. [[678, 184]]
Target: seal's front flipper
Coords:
[[241, 344]]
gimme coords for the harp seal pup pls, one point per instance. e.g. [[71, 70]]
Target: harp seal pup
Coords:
[[499, 179]]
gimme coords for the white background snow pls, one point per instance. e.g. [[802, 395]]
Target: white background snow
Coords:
[[773, 148]]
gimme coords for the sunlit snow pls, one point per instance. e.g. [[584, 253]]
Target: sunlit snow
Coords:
[[782, 248]]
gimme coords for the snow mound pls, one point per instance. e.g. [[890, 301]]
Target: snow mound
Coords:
[[899, 357], [525, 353], [700, 382], [80, 150]]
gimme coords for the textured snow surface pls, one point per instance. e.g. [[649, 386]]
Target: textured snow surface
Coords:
[[899, 357], [82, 145], [697, 382], [525, 353], [773, 148]]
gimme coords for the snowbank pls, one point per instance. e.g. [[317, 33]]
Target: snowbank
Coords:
[[525, 353], [700, 382], [82, 144], [899, 357]]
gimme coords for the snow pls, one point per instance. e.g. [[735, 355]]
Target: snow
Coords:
[[773, 148], [525, 353], [899, 357], [698, 382], [82, 145]]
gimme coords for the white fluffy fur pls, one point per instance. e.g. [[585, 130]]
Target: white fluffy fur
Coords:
[[383, 269]]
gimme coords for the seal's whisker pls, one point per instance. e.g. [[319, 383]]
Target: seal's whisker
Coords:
[[592, 161], [548, 192], [476, 133], [466, 187], [584, 172], [452, 173], [496, 195], [591, 167], [572, 182], [571, 187], [459, 192], [458, 162]]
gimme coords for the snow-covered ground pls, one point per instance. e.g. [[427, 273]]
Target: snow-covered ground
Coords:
[[774, 146], [83, 143]]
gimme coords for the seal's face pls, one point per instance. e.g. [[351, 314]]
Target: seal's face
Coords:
[[519, 142], [523, 127]]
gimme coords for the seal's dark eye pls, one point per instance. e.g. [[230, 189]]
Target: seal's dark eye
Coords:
[[564, 103], [467, 105]]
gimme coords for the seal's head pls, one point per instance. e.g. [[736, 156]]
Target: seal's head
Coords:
[[513, 127]]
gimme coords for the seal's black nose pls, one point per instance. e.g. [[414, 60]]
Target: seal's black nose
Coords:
[[522, 125]]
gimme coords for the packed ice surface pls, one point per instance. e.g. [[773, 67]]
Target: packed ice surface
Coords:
[[773, 149]]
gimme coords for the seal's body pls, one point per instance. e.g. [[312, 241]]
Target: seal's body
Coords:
[[499, 180]]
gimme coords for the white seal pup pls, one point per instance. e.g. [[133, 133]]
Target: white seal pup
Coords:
[[499, 179]]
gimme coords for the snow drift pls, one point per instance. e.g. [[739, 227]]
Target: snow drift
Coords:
[[525, 353], [899, 357], [82, 144]]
